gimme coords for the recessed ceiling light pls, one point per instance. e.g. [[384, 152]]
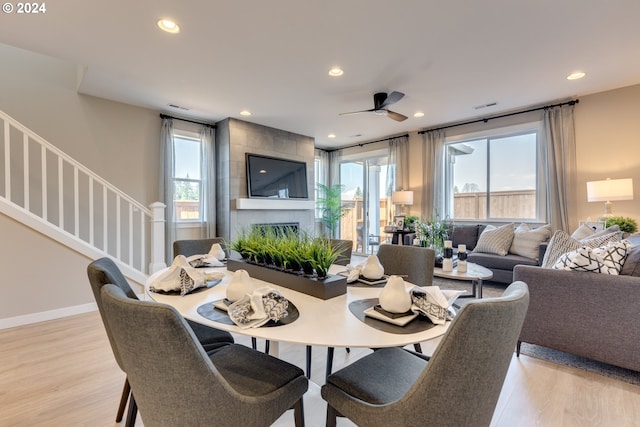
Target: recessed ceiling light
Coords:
[[418, 114], [331, 135], [169, 26], [577, 75], [336, 72], [245, 113]]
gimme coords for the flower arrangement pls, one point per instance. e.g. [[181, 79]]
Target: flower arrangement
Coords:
[[433, 233]]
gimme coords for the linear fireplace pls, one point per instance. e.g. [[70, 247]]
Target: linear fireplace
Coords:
[[279, 228]]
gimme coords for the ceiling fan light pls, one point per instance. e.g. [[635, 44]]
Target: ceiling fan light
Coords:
[[418, 114]]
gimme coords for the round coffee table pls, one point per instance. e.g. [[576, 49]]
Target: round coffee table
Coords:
[[475, 274]]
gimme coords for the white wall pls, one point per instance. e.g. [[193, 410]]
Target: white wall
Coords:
[[608, 146], [119, 142]]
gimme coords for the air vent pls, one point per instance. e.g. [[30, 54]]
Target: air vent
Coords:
[[480, 107], [177, 107]]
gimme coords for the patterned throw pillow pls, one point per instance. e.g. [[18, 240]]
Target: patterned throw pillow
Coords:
[[495, 241], [561, 243], [605, 259], [526, 241]]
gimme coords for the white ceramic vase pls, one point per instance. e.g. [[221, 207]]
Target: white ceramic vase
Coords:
[[216, 251], [395, 297], [372, 268], [241, 284]]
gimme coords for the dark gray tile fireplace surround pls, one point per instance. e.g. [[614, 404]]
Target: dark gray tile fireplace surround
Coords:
[[235, 210]]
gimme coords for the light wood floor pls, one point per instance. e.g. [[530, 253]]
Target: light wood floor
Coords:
[[62, 373]]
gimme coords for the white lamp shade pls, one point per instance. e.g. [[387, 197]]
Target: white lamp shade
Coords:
[[402, 197], [609, 190]]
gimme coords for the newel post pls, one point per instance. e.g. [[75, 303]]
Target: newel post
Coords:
[[157, 237]]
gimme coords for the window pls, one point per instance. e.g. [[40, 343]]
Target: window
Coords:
[[495, 176], [187, 180]]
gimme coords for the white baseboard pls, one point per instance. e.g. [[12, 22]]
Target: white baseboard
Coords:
[[27, 319]]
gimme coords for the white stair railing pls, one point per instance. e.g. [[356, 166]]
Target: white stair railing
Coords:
[[44, 186]]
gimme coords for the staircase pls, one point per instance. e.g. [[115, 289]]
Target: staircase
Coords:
[[47, 190]]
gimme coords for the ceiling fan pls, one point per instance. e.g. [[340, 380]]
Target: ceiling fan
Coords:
[[380, 103]]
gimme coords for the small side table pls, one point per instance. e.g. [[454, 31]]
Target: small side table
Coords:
[[398, 236], [475, 274]]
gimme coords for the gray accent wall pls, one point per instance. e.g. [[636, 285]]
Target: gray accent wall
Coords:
[[235, 138]]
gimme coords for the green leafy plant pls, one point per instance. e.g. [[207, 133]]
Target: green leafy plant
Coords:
[[330, 202], [432, 233], [409, 222], [626, 224]]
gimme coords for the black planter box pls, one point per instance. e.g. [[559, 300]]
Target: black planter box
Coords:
[[331, 286]]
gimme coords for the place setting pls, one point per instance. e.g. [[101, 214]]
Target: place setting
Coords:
[[249, 306]]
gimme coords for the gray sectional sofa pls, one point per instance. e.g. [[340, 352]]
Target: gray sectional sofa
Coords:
[[587, 314]]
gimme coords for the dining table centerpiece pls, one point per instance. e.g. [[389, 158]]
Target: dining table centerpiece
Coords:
[[294, 260]]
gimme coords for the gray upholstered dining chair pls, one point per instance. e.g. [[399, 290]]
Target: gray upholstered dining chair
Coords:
[[344, 248], [458, 386], [414, 263], [104, 271], [189, 247], [196, 246], [177, 383]]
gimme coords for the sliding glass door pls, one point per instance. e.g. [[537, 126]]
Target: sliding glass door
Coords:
[[364, 198]]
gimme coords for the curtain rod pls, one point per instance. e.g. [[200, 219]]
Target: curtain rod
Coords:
[[365, 143], [546, 107], [166, 116]]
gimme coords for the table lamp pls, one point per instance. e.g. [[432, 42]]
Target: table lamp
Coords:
[[608, 190], [402, 198]]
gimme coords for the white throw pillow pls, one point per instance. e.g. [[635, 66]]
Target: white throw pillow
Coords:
[[561, 243], [495, 241], [582, 232], [586, 232], [526, 241]]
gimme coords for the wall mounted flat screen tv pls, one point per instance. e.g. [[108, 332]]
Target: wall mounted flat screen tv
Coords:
[[276, 178]]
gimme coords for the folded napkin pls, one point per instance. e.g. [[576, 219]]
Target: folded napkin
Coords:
[[255, 309], [433, 302], [179, 277], [197, 261], [354, 272]]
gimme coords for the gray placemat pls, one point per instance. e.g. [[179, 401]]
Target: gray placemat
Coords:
[[208, 311], [419, 324]]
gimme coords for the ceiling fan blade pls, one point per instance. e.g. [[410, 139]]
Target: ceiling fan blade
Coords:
[[396, 116], [392, 99], [356, 112]]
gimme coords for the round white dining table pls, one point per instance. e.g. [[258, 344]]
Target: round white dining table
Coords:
[[328, 323]]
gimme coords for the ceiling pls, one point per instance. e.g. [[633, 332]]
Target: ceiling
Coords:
[[273, 57]]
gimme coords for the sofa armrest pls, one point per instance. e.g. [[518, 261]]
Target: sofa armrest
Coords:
[[587, 314], [542, 249]]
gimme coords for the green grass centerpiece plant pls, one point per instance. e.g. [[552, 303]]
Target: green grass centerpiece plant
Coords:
[[284, 252]]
